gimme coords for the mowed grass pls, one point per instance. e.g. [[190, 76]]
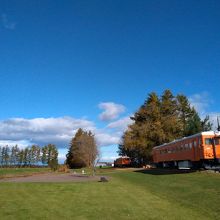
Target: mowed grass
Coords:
[[128, 195], [7, 172]]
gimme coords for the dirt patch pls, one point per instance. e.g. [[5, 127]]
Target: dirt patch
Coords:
[[52, 177]]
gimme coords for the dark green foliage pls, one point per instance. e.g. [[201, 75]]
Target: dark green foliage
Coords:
[[158, 121], [195, 124], [185, 112], [169, 116]]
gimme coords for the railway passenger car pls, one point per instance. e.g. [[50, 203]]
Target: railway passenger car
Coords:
[[199, 150], [122, 162]]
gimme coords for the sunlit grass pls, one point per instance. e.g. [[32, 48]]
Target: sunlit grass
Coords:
[[5, 172], [128, 195]]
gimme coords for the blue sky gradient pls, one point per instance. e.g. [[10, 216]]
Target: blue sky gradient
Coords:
[[64, 58]]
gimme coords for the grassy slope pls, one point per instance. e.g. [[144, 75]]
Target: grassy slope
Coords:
[[128, 195]]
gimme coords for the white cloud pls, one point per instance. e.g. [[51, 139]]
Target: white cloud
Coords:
[[200, 102], [43, 130], [20, 143], [213, 119], [58, 131], [6, 23], [111, 110], [120, 124], [106, 139], [109, 159]]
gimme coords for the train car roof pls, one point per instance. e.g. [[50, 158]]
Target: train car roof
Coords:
[[195, 135], [123, 157]]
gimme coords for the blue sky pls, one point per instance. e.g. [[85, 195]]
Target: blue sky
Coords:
[[64, 63]]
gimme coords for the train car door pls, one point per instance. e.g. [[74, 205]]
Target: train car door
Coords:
[[196, 148]]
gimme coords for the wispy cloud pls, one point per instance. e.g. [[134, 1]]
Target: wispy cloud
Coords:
[[213, 119], [59, 130], [6, 23], [120, 124], [43, 130], [111, 110], [19, 143], [201, 102], [52, 130]]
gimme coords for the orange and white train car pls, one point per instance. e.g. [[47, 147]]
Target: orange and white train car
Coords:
[[194, 151]]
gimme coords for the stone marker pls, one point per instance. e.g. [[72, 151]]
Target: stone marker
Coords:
[[103, 179]]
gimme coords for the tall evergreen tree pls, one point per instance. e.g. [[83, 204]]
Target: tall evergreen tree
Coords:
[[169, 116], [185, 112], [73, 158], [158, 121], [144, 133]]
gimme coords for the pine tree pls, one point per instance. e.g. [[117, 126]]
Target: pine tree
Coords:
[[185, 112], [169, 116], [158, 121], [146, 132]]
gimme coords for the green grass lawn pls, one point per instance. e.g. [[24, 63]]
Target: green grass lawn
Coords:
[[5, 172], [128, 195]]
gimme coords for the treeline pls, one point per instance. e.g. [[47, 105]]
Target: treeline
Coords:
[[160, 120], [29, 156]]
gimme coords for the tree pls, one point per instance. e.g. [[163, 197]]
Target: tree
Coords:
[[196, 124], [73, 157], [44, 156], [82, 151], [185, 112], [52, 157], [157, 121], [21, 157], [169, 117], [14, 155], [144, 133]]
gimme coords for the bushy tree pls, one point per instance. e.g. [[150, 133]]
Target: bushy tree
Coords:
[[157, 121], [82, 150]]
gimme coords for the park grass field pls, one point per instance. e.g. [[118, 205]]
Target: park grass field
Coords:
[[7, 172], [128, 195]]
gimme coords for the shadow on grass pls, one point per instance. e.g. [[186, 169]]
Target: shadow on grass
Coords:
[[164, 171]]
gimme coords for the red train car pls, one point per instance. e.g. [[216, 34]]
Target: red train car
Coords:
[[199, 150], [122, 162]]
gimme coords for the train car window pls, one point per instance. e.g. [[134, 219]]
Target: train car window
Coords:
[[195, 143], [208, 141], [217, 141], [190, 146]]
